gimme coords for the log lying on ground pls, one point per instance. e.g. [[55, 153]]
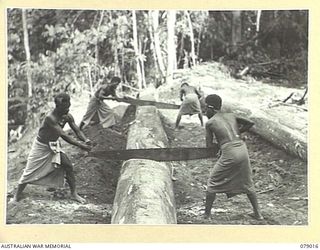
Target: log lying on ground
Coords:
[[145, 192], [270, 127]]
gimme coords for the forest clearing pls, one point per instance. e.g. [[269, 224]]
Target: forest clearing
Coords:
[[257, 71]]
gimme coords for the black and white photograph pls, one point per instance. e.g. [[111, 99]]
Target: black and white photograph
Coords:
[[157, 116]]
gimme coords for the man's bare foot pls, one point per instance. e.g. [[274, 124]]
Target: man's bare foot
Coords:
[[256, 216], [78, 198]]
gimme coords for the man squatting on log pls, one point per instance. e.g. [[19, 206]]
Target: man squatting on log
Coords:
[[232, 172], [190, 103], [97, 107], [47, 164]]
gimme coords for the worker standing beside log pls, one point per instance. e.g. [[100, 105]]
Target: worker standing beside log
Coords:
[[232, 172], [97, 107], [190, 103], [47, 164]]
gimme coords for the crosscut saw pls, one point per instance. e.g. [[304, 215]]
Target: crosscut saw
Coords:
[[156, 154], [138, 102]]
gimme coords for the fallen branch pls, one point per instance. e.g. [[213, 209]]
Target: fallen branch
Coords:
[[285, 100], [264, 63], [287, 104], [297, 198], [266, 191]]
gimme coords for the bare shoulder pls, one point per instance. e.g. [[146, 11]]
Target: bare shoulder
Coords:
[[69, 117], [210, 122], [228, 115], [50, 119]]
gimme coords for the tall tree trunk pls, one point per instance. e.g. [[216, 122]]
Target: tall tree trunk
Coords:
[[259, 12], [236, 27], [123, 74], [157, 47], [143, 78], [181, 55], [199, 41], [151, 34], [116, 59], [192, 52], [258, 20], [97, 44], [27, 50], [171, 58], [136, 48], [116, 66]]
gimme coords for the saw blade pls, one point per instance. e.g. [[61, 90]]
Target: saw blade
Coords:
[[138, 102], [156, 154]]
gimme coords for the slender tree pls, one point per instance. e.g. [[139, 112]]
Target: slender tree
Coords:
[[97, 41], [27, 50], [136, 48], [258, 20], [157, 47], [236, 27], [171, 58], [191, 35]]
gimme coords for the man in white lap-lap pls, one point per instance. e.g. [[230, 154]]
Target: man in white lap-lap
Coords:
[[190, 103], [47, 164]]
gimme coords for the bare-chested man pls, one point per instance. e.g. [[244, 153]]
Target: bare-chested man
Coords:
[[97, 107], [47, 164], [190, 103], [232, 172]]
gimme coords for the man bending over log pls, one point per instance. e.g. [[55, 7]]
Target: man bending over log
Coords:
[[232, 172], [190, 103], [47, 164], [97, 107]]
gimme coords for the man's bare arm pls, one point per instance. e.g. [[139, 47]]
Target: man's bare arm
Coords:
[[209, 139], [54, 126], [181, 94], [244, 124], [76, 129], [197, 92]]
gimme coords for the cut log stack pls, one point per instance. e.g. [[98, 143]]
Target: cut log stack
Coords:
[[144, 192]]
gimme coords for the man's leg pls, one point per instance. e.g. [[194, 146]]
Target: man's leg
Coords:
[[201, 119], [17, 195], [210, 197], [254, 202], [178, 120], [66, 163]]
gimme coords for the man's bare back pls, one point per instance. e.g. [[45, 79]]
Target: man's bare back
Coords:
[[224, 126], [186, 89]]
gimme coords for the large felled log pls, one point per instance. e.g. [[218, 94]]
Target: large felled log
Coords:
[[286, 134], [145, 192]]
